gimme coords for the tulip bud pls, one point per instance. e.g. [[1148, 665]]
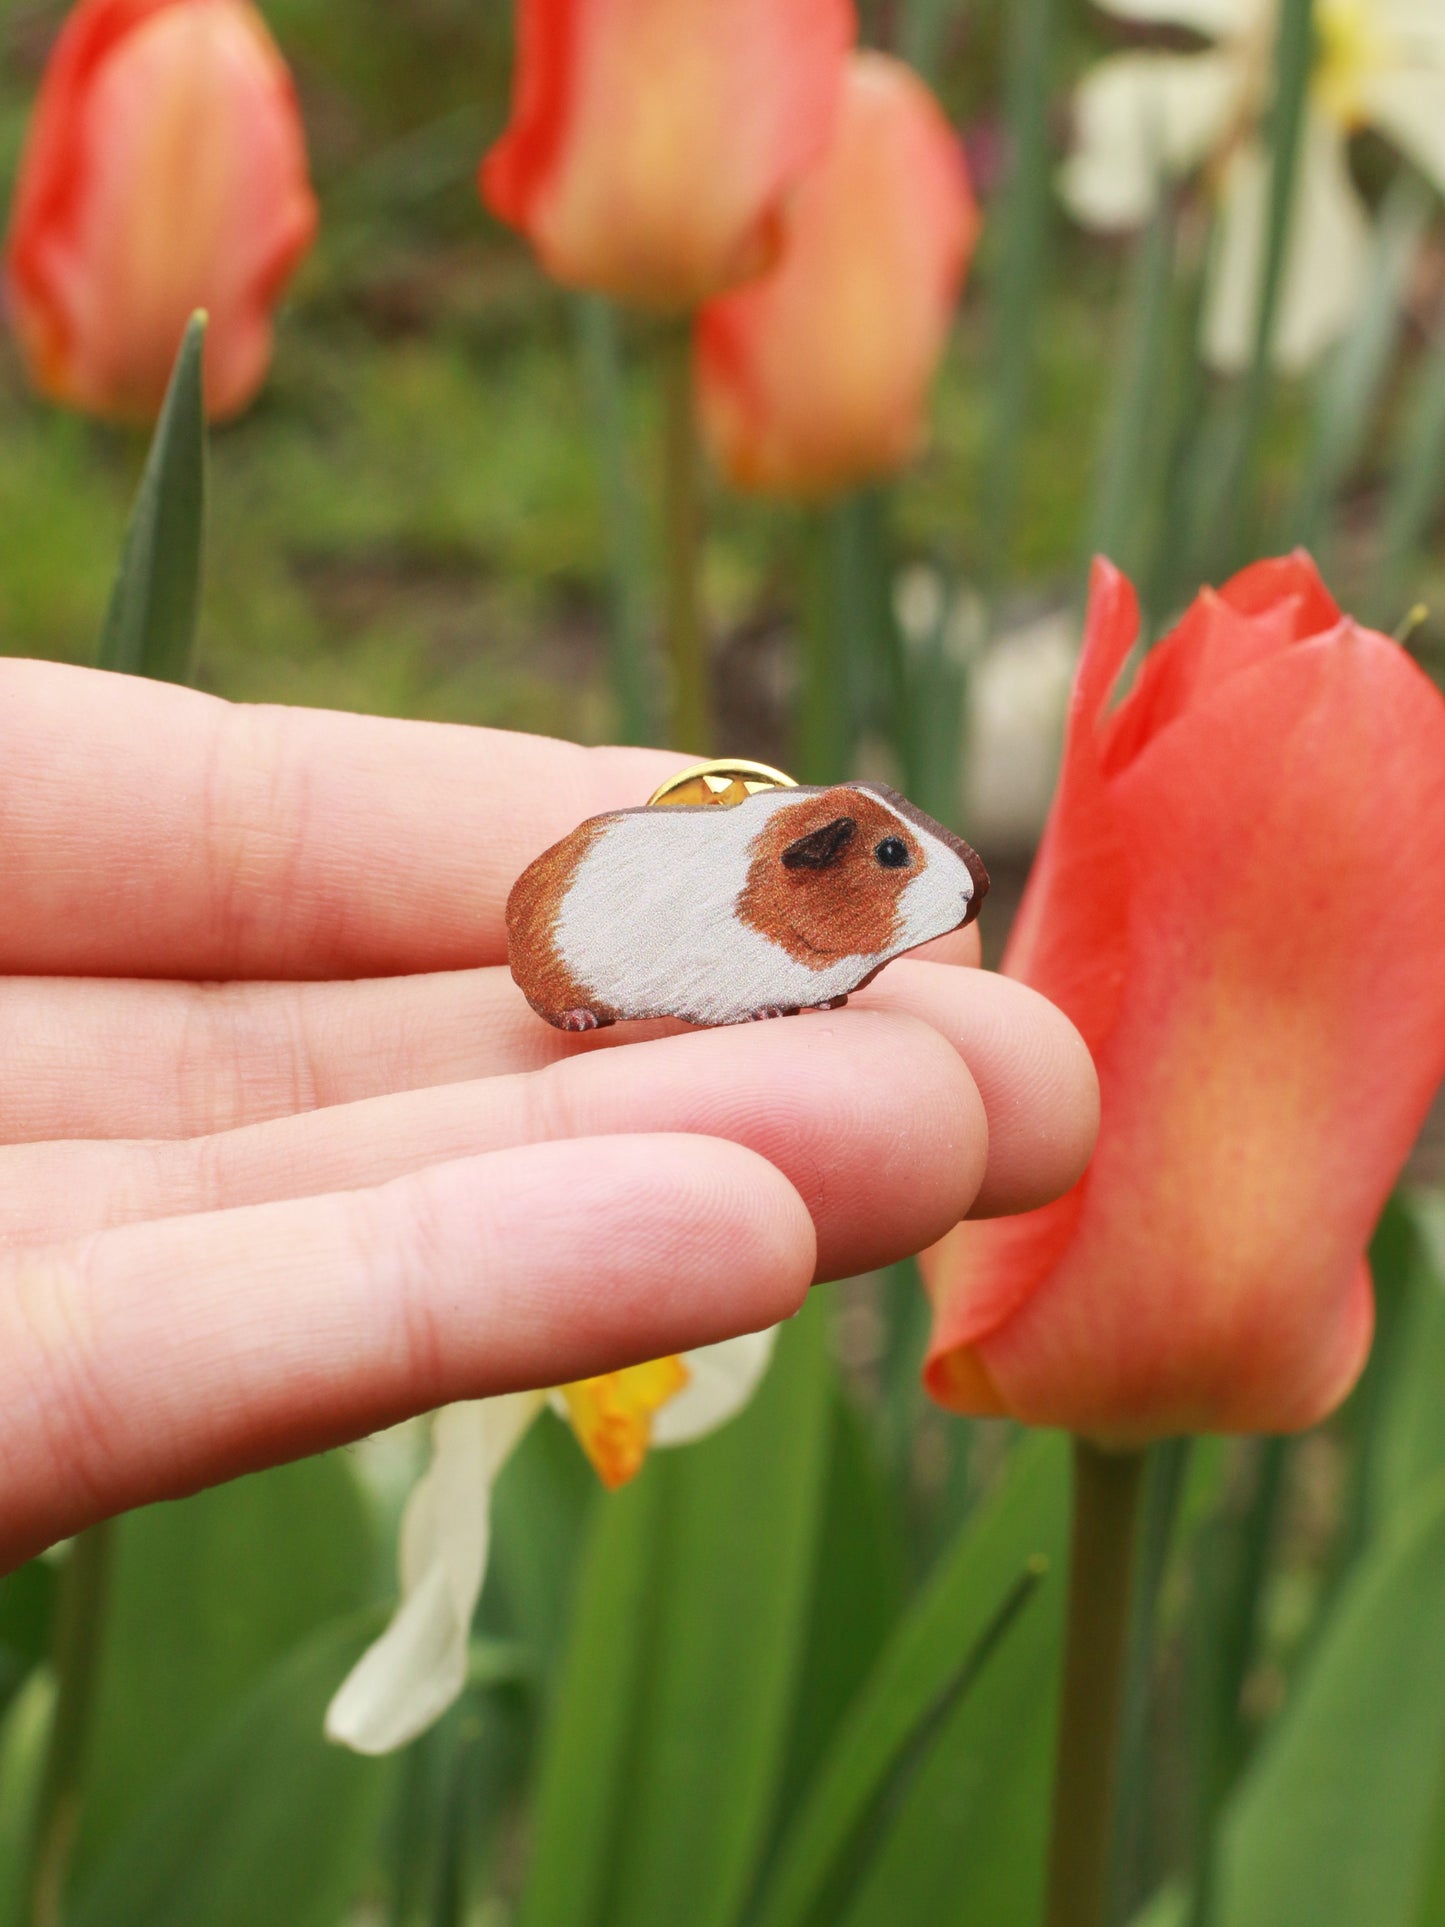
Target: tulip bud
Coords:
[[165, 171], [816, 378], [1240, 901], [651, 141]]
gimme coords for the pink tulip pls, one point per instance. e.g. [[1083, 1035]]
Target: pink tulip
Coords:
[[1240, 901], [817, 377], [652, 141], [165, 171]]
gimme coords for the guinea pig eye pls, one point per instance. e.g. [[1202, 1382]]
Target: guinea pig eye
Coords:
[[892, 853]]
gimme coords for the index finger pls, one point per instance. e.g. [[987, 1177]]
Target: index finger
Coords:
[[143, 1362], [147, 830]]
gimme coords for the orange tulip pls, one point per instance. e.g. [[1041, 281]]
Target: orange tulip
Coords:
[[165, 171], [652, 141], [817, 377], [1240, 901]]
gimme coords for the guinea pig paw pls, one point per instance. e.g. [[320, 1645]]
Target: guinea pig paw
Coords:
[[578, 1020], [769, 1010], [833, 1003]]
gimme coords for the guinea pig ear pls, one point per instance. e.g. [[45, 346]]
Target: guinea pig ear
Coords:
[[819, 848]]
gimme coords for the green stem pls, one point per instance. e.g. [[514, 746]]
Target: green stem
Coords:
[[682, 520], [80, 1624], [1231, 508], [1022, 233], [1107, 1489], [824, 733], [633, 677], [1164, 1489]]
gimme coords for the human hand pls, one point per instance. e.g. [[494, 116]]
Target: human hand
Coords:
[[284, 1156]]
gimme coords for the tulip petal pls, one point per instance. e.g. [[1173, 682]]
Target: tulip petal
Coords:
[[1069, 943], [1067, 939], [1290, 582], [1326, 259], [416, 1669], [652, 140], [1261, 611], [1282, 1035], [816, 377], [165, 171], [1141, 119], [721, 1380]]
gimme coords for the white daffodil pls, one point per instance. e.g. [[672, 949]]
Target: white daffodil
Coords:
[[1145, 116], [411, 1675]]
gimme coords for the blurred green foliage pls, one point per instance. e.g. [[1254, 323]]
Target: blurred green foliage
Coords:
[[412, 519]]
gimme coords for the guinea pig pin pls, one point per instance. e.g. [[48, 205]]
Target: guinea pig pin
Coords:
[[782, 903]]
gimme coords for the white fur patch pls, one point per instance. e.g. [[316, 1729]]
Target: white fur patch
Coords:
[[649, 922]]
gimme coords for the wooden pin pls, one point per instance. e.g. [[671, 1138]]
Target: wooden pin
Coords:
[[733, 894]]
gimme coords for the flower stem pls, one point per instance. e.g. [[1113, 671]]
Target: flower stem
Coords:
[[1132, 1874], [1107, 1489], [682, 522], [824, 736], [633, 671], [80, 1625]]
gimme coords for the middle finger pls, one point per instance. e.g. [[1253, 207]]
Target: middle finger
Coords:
[[113, 1057], [109, 1059], [873, 1119]]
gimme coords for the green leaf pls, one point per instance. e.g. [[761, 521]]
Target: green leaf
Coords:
[[1410, 1437], [150, 626], [1023, 225], [1430, 1910], [1230, 440], [266, 1822], [27, 1601], [582, 1792], [860, 1560], [1355, 378], [1231, 1566], [540, 1511], [206, 1595], [24, 1738], [665, 1744], [979, 1800], [1130, 461], [924, 32], [1338, 1823], [1416, 464]]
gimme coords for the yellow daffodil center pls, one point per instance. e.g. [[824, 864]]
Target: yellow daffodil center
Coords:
[[1349, 46], [612, 1415]]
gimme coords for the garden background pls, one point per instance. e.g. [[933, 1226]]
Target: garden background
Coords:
[[803, 1672]]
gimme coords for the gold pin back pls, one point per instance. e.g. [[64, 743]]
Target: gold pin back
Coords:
[[726, 780]]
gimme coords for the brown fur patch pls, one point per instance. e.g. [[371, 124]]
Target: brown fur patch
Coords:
[[849, 908], [533, 906]]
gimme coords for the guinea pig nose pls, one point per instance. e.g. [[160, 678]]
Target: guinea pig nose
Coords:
[[819, 848]]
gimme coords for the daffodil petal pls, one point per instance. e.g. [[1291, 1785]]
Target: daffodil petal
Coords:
[[1324, 271], [721, 1380], [1414, 27], [416, 1669], [1139, 119], [1409, 107], [1213, 17]]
